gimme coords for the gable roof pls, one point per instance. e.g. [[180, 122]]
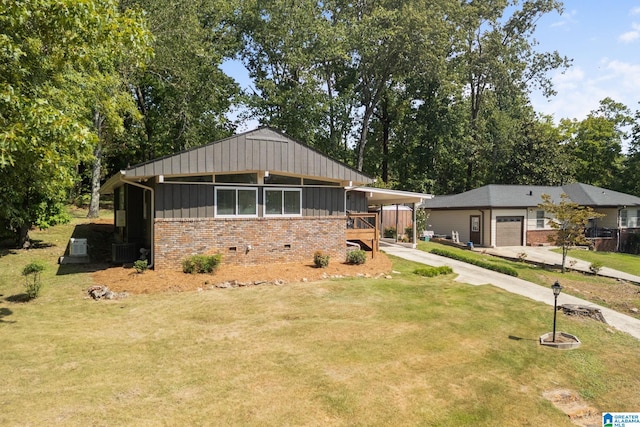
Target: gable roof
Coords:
[[261, 149], [522, 196]]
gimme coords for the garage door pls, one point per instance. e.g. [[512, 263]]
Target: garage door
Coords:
[[509, 230]]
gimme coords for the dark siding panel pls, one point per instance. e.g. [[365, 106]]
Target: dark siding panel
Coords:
[[242, 158], [217, 157], [208, 159], [159, 202], [209, 201], [319, 201]]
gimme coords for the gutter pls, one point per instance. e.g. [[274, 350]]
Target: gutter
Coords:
[[153, 217]]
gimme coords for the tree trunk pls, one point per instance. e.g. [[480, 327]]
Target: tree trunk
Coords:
[[23, 237], [96, 172]]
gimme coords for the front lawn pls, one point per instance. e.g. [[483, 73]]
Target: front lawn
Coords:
[[612, 293], [403, 351], [618, 261]]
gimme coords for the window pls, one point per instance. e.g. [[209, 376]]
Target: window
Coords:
[[192, 178], [310, 181], [282, 202], [236, 201], [624, 218], [539, 219], [282, 180], [238, 178]]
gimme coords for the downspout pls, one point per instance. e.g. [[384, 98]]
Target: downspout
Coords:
[[152, 219], [414, 238]]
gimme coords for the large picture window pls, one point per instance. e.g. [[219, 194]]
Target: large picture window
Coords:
[[236, 201], [282, 202]]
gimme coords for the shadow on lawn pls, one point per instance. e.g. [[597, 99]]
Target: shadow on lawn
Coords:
[[515, 338], [4, 312], [99, 239]]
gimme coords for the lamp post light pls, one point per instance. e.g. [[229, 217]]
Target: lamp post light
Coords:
[[556, 291]]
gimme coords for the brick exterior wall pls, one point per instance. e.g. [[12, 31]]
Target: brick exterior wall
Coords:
[[539, 237], [272, 240]]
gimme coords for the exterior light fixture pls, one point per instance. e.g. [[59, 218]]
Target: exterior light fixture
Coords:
[[556, 291]]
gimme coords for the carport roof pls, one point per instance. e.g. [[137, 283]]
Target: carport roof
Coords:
[[520, 196]]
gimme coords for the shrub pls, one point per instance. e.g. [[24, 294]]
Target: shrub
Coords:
[[320, 260], [389, 232], [141, 265], [433, 271], [479, 263], [201, 263], [32, 272], [595, 267], [356, 257]]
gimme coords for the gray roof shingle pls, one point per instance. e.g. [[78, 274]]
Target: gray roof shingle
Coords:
[[521, 196]]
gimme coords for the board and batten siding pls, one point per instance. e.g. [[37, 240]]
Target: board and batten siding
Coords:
[[259, 150], [197, 201]]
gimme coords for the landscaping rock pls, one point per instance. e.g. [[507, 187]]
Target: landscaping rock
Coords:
[[580, 310], [103, 292]]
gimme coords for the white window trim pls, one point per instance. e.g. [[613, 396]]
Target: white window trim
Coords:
[[624, 219], [281, 189], [215, 198]]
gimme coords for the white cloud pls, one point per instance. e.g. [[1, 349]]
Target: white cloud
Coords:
[[635, 11], [566, 19], [630, 36]]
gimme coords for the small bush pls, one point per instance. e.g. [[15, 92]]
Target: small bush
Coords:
[[356, 257], [32, 272], [320, 260], [389, 232], [433, 271], [479, 263], [141, 265], [595, 267], [201, 263]]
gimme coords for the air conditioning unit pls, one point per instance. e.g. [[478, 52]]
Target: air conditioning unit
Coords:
[[123, 252], [78, 247]]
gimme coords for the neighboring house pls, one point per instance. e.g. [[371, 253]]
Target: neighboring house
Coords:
[[508, 215], [256, 198]]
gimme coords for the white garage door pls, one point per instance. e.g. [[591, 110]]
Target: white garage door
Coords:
[[509, 230]]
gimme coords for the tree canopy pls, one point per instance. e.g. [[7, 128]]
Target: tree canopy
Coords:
[[51, 53], [429, 96]]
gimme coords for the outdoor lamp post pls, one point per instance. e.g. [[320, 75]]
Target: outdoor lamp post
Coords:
[[556, 291]]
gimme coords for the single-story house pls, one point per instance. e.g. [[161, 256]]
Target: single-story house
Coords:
[[508, 215], [258, 197]]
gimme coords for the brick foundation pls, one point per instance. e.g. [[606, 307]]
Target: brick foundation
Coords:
[[272, 240], [539, 237]]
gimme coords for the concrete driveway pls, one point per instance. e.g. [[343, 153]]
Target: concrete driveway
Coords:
[[473, 275]]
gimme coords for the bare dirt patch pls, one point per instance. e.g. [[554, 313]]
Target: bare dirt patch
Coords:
[[570, 402], [120, 279]]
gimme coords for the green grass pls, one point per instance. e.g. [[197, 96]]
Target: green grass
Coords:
[[618, 261], [404, 351], [607, 292]]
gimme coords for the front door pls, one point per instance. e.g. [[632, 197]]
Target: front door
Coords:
[[474, 231]]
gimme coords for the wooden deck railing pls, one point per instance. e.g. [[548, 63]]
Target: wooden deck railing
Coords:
[[364, 227]]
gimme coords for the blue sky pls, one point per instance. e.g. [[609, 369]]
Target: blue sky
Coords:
[[603, 38]]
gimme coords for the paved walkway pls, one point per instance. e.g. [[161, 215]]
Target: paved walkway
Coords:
[[473, 275]]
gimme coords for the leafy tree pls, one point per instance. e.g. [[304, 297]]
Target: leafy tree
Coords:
[[631, 170], [182, 94], [596, 144], [569, 220], [538, 156], [48, 47], [496, 59]]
